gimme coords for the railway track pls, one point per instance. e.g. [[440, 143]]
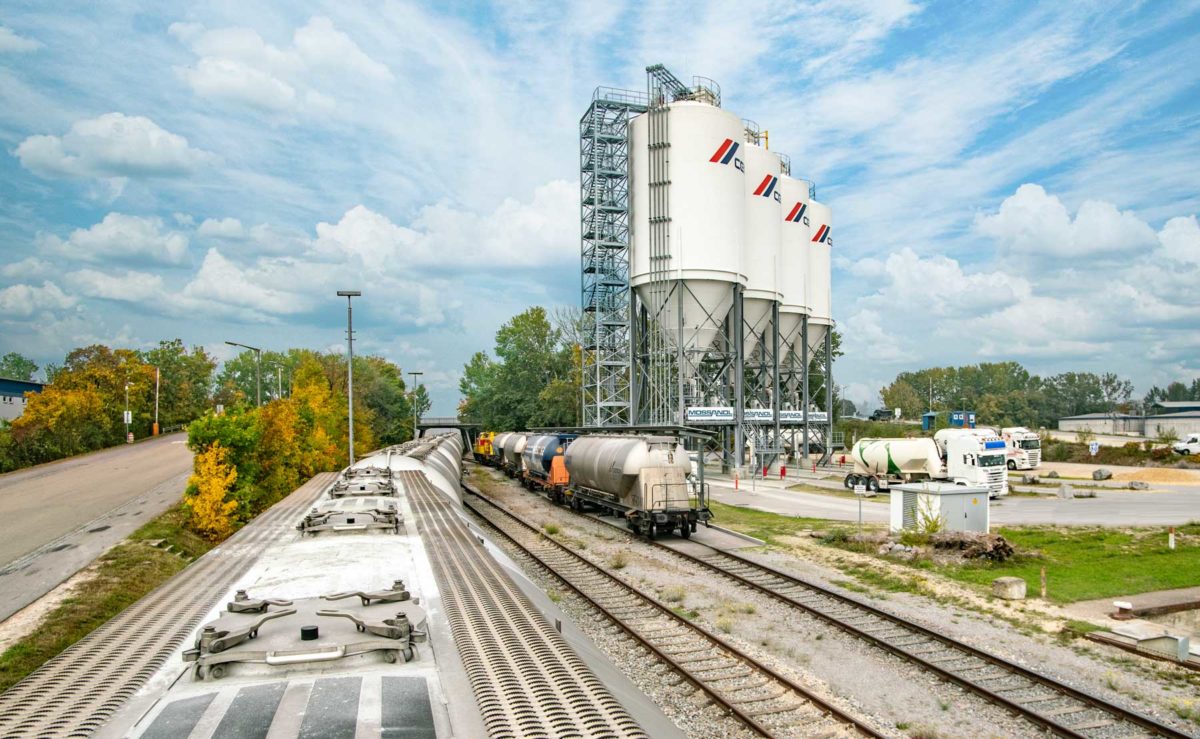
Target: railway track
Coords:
[[1044, 701], [764, 701]]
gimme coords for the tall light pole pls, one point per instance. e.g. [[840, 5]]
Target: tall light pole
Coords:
[[157, 378], [278, 378], [127, 418], [257, 366], [349, 295], [415, 375]]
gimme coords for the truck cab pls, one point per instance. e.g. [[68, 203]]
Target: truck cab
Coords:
[[1023, 448], [974, 457]]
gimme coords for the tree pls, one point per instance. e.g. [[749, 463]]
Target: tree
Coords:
[[185, 381], [208, 490], [901, 394], [1114, 391], [17, 367]]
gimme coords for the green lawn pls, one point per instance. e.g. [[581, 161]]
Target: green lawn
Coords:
[[123, 575], [1082, 563]]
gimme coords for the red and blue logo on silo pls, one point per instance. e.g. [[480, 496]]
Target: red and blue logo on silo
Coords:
[[725, 152], [798, 212], [767, 186], [823, 236]]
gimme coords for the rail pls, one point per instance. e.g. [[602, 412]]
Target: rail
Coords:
[[556, 557]]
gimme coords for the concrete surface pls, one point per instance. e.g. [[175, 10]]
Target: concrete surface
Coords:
[[1167, 505], [55, 519]]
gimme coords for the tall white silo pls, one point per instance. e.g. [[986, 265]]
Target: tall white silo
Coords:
[[760, 245], [703, 248], [820, 276], [794, 246]]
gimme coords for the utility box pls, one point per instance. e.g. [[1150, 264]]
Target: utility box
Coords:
[[955, 507]]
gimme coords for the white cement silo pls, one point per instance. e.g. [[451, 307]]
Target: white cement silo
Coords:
[[706, 197], [794, 245], [760, 246], [820, 276]]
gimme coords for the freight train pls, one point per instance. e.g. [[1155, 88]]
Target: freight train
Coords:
[[645, 479]]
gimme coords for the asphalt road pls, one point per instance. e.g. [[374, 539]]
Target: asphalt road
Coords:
[[56, 518], [1167, 505]]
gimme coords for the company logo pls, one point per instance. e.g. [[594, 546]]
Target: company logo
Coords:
[[823, 236], [767, 186], [798, 213], [725, 154]]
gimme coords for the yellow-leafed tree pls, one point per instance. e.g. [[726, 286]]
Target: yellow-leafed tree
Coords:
[[212, 512]]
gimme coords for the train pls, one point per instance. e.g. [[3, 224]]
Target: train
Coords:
[[645, 479]]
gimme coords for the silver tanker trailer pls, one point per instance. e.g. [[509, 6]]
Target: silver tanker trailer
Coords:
[[513, 447], [641, 478]]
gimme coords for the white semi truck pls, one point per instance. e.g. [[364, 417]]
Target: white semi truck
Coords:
[[1023, 447], [960, 457]]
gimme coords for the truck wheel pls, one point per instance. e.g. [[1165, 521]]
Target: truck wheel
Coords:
[[873, 484], [851, 481], [685, 529], [1012, 465]]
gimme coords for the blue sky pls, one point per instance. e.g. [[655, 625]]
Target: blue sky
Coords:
[[1008, 181]]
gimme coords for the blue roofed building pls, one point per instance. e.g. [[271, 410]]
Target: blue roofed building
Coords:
[[12, 396]]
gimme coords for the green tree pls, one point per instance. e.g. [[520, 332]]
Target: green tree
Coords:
[[901, 394], [185, 381], [15, 366]]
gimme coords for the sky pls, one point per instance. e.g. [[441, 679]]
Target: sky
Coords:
[[1009, 181]]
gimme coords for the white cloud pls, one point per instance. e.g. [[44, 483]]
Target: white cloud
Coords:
[[131, 287], [1180, 238], [28, 268], [10, 42], [111, 145], [1032, 222], [237, 65], [23, 301], [222, 228], [122, 237], [220, 282]]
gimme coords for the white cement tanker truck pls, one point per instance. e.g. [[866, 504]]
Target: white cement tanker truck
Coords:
[[1024, 448], [959, 458]]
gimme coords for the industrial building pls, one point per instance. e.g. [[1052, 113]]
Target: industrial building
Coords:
[[705, 274], [12, 396], [1180, 424]]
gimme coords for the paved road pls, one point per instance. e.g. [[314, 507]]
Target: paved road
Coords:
[[56, 518], [1169, 505]]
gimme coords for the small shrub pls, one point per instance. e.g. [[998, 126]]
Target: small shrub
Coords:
[[619, 560], [554, 596], [550, 529], [674, 594], [725, 624], [836, 536]]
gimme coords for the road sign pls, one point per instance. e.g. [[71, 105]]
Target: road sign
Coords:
[[860, 489], [1094, 448], [128, 416]]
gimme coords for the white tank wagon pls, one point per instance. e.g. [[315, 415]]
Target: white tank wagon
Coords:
[[513, 448], [642, 478], [706, 192], [820, 275], [497, 458]]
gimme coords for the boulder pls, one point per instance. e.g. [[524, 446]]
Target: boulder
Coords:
[[1009, 588], [1139, 485], [1052, 473], [1066, 492], [1030, 479], [1102, 474]]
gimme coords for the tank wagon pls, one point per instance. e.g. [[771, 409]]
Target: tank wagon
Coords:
[[644, 479], [496, 458], [510, 459], [545, 468]]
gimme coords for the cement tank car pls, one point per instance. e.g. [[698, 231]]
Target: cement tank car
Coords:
[[641, 478]]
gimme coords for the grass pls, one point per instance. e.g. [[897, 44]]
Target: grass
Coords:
[[124, 574], [550, 529], [619, 560], [761, 524], [1085, 563], [1082, 562]]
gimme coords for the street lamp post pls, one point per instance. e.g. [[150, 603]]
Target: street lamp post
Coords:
[[257, 367], [415, 375], [349, 295], [127, 419], [278, 379], [157, 378]]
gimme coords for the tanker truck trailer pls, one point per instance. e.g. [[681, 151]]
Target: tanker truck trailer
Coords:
[[643, 479], [880, 463]]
